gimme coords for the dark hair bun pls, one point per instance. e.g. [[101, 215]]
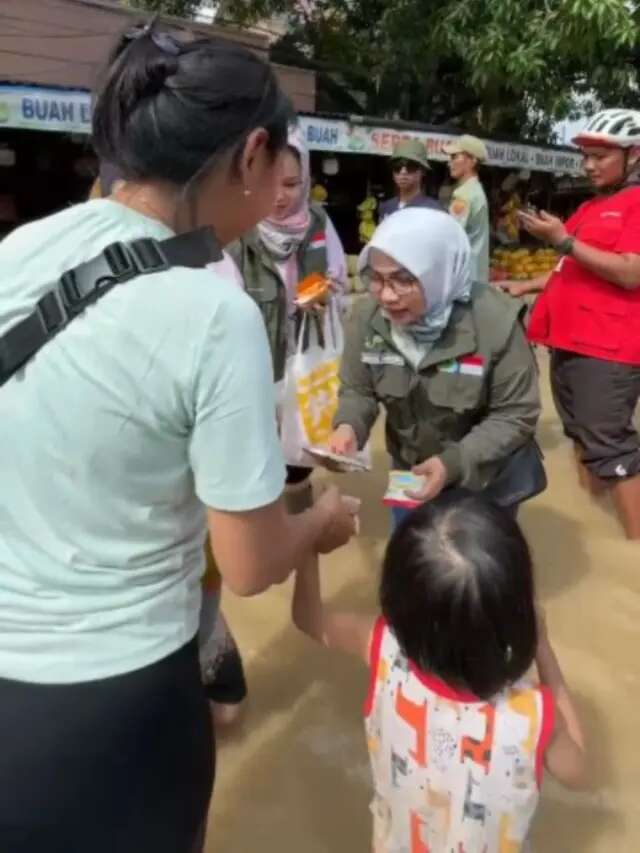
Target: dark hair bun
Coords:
[[147, 66], [167, 108]]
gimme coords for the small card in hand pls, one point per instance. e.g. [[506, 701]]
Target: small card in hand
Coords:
[[401, 482], [336, 462]]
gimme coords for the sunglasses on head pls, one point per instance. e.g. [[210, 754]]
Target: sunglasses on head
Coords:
[[409, 165]]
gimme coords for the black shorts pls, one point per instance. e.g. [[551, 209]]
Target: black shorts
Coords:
[[121, 765], [596, 401]]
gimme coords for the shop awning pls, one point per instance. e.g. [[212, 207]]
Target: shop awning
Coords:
[[69, 111], [365, 137]]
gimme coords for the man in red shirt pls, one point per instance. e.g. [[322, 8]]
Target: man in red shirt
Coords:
[[589, 312]]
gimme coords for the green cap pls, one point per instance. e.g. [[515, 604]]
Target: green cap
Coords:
[[413, 150], [468, 145]]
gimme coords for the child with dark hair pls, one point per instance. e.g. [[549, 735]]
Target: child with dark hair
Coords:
[[458, 733]]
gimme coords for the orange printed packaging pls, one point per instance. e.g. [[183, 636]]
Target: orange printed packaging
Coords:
[[313, 288]]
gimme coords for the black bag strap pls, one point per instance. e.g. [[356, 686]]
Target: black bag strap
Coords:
[[85, 284]]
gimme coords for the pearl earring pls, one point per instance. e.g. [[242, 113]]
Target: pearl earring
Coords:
[[247, 193]]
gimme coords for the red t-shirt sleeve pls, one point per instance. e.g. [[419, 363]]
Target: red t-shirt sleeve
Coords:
[[630, 238]]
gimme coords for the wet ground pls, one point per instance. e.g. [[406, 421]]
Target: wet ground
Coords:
[[294, 776]]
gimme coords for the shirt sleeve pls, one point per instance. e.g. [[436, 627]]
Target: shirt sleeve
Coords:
[[235, 452], [336, 258], [357, 402], [227, 268], [512, 417], [337, 265], [384, 210], [460, 209], [630, 237]]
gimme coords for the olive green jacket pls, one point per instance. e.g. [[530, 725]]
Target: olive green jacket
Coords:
[[473, 401], [266, 288]]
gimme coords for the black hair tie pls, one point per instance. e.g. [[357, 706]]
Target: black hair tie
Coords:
[[167, 44]]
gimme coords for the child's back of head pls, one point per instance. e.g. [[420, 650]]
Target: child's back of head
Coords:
[[458, 592]]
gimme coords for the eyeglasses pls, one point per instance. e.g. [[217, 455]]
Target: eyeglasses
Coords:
[[409, 165], [401, 282]]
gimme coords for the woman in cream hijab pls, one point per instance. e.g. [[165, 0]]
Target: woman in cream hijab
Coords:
[[447, 359]]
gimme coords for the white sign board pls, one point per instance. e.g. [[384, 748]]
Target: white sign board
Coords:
[[36, 108], [344, 137]]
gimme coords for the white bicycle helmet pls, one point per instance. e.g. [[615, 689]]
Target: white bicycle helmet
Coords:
[[617, 128]]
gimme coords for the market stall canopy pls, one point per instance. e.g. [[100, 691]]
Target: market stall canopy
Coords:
[[64, 43], [371, 136]]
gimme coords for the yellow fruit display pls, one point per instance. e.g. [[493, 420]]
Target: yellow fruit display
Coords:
[[523, 264]]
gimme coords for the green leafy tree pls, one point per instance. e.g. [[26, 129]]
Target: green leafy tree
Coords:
[[501, 66]]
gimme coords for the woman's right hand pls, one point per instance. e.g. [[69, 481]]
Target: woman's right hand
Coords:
[[513, 288], [341, 524], [344, 441]]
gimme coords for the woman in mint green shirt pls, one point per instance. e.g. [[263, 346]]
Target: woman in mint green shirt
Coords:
[[148, 415]]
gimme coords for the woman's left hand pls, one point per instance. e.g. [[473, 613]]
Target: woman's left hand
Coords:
[[544, 226], [313, 308], [435, 475]]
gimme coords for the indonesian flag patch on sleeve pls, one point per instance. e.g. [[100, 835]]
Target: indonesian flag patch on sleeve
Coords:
[[318, 241], [472, 365]]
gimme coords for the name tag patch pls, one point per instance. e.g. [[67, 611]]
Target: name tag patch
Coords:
[[378, 358]]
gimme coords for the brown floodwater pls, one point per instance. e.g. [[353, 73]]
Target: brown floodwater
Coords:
[[294, 776]]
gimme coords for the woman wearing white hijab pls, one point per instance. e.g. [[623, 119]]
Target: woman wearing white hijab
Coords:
[[448, 360]]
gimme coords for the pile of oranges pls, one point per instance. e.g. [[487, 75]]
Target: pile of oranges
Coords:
[[522, 264]]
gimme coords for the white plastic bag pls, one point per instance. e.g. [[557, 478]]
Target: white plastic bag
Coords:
[[310, 398]]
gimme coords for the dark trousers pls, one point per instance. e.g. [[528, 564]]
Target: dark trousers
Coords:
[[596, 401], [121, 765]]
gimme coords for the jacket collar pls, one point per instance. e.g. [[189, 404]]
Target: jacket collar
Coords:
[[458, 339]]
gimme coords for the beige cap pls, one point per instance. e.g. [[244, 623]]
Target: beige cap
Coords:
[[413, 150], [468, 145]]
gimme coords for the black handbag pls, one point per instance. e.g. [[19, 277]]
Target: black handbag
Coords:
[[521, 478]]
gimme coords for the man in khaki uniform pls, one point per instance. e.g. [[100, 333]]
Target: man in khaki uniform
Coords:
[[469, 205]]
